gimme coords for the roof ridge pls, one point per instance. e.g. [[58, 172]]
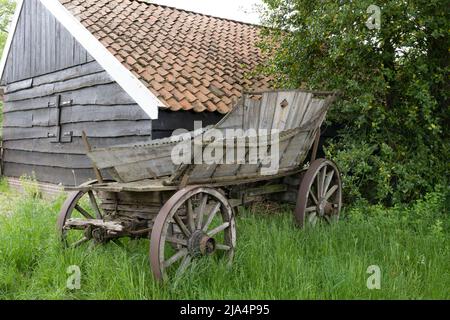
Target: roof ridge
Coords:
[[148, 2]]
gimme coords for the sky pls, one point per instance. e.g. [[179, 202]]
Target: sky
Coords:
[[241, 10]]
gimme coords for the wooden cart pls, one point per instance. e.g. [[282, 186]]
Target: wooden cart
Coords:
[[188, 209]]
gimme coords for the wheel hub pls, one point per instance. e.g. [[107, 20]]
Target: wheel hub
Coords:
[[325, 208], [201, 244], [99, 235]]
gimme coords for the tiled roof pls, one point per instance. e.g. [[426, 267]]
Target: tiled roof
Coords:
[[188, 60]]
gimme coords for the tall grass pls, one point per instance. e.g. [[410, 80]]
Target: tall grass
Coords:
[[274, 260]]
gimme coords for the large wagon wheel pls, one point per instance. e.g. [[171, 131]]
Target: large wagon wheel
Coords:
[[188, 227], [84, 206], [320, 194]]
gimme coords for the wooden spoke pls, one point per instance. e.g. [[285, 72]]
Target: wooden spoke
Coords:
[[190, 215], [211, 215], [79, 242], [177, 256], [311, 209], [182, 226], [83, 212], [322, 175], [184, 264], [95, 205], [218, 229], [318, 187], [328, 180], [331, 192], [313, 197], [201, 211], [223, 247], [177, 241]]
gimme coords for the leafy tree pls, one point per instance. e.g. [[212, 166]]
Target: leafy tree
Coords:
[[393, 144], [6, 11]]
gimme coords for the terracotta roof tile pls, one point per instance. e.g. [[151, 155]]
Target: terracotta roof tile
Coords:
[[190, 61]]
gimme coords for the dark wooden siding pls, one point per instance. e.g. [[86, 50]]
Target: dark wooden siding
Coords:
[[98, 106], [41, 45]]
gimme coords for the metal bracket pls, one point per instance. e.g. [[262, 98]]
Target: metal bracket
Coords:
[[59, 136]]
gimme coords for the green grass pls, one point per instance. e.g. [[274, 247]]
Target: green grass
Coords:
[[274, 260]]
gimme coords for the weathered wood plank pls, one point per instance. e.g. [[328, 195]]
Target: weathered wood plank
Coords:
[[85, 113], [281, 113], [71, 161], [62, 86], [67, 177], [75, 147], [268, 110], [69, 73], [20, 85], [106, 129], [40, 117], [252, 110]]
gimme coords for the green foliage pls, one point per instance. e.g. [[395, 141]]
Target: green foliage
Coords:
[[394, 144], [30, 186], [6, 11], [274, 260]]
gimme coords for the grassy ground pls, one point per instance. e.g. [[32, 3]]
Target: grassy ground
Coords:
[[274, 259]]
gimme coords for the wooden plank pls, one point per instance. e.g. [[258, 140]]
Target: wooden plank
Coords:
[[281, 113], [16, 133], [69, 73], [269, 106], [35, 37], [64, 176], [137, 171], [110, 129], [252, 110], [20, 85], [299, 145], [106, 129], [27, 105], [299, 107], [62, 86], [130, 154], [108, 94], [27, 119], [71, 161], [312, 110], [75, 147], [86, 113], [202, 171]]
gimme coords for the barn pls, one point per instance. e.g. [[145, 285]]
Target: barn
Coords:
[[122, 71]]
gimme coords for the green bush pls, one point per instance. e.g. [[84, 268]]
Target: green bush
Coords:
[[394, 145]]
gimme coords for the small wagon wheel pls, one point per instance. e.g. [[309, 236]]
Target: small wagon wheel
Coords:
[[320, 194], [188, 227], [80, 205]]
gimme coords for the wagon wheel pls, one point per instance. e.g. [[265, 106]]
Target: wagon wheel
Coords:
[[320, 194], [189, 227], [84, 206]]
